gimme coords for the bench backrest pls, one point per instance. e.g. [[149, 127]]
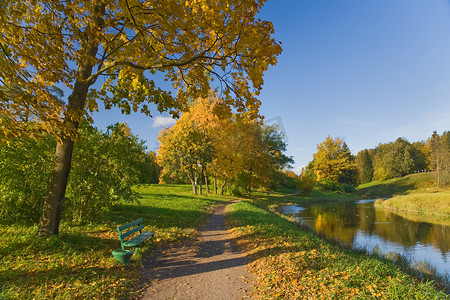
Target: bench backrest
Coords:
[[135, 226]]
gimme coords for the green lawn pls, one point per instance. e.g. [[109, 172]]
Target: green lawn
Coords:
[[78, 263], [397, 186]]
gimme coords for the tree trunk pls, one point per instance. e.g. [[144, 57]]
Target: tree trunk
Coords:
[[206, 180], [249, 183], [215, 185], [200, 187], [51, 214], [223, 186], [194, 187]]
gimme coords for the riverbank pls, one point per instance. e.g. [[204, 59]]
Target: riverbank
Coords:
[[435, 204], [78, 263], [290, 263]]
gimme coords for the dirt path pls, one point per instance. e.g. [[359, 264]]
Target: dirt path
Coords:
[[208, 268]]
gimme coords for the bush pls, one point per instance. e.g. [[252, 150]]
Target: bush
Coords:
[[347, 188], [104, 168], [328, 185], [25, 168], [306, 183]]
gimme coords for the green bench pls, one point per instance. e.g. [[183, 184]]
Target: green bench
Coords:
[[131, 234]]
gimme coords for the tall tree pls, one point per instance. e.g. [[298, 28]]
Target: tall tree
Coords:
[[393, 160], [440, 156], [71, 43], [187, 146], [364, 166], [334, 161]]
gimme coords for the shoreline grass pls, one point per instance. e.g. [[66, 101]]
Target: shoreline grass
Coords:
[[290, 263], [78, 263], [435, 204]]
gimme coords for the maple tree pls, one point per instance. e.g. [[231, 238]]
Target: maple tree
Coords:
[[187, 146], [50, 45], [210, 140]]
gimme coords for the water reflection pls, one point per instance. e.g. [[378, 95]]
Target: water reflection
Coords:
[[360, 225]]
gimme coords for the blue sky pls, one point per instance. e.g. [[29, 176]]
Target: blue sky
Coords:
[[367, 71]]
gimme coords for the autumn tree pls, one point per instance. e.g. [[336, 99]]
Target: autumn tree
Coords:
[[187, 146], [70, 44], [333, 161]]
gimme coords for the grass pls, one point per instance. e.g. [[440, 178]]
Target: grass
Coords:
[[78, 263], [290, 263], [414, 197], [420, 206], [397, 186]]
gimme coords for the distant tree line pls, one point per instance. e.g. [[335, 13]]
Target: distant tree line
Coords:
[[334, 168], [105, 166], [400, 158]]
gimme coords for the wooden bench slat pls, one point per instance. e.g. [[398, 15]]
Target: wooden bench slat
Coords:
[[131, 231], [137, 240], [135, 234], [131, 224]]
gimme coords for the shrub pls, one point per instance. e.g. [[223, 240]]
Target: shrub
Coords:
[[104, 168], [306, 183], [347, 188], [328, 185]]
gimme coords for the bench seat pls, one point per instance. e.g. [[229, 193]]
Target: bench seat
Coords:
[[131, 234], [139, 239]]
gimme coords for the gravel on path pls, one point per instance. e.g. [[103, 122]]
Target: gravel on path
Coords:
[[210, 267]]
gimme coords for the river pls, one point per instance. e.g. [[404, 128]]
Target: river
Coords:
[[360, 225]]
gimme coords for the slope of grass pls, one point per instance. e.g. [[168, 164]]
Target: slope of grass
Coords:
[[420, 205], [290, 263], [413, 196], [78, 263], [397, 186]]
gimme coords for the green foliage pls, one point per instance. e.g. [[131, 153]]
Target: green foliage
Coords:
[[393, 160], [284, 179], [364, 166], [239, 186], [328, 185], [275, 144], [347, 188], [439, 157], [307, 182], [25, 168], [149, 169], [105, 167]]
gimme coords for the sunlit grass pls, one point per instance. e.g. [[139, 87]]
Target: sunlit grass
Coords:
[[418, 206], [78, 263], [420, 182]]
